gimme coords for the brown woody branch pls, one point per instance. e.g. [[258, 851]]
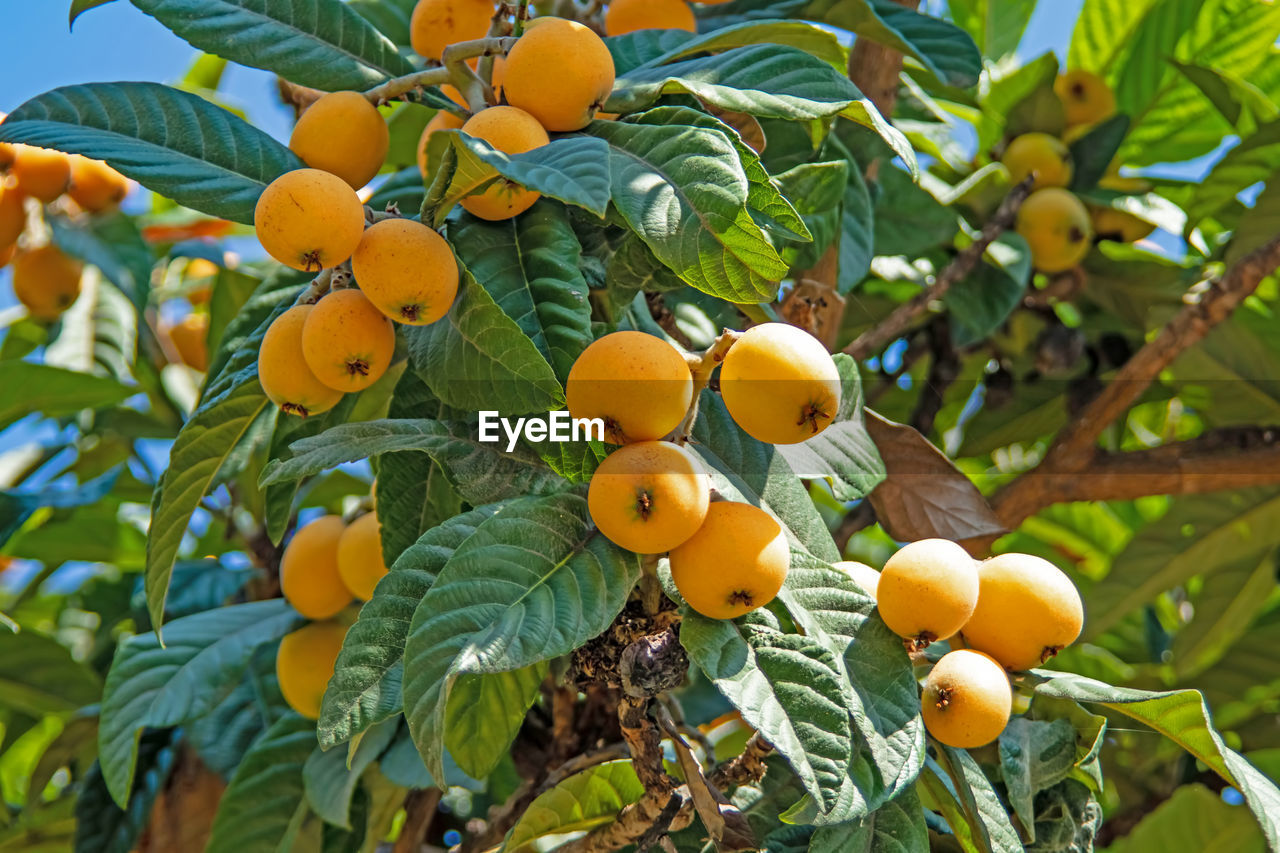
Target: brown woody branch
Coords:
[[875, 69], [1073, 452], [905, 316]]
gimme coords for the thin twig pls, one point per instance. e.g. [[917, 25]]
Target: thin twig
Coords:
[[909, 313], [701, 367]]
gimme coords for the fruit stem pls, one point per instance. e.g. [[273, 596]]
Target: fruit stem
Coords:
[[701, 367], [650, 586], [522, 14], [319, 287], [453, 70]]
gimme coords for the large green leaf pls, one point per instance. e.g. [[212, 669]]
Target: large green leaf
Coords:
[[104, 827], [770, 80], [1183, 717], [1193, 818], [319, 43], [744, 469], [1198, 536], [534, 582], [530, 266], [484, 714], [695, 177], [365, 687], [1034, 755], [842, 454], [580, 803], [38, 676], [53, 391], [975, 811], [330, 778], [175, 143], [262, 809], [657, 47], [995, 25], [573, 169], [1104, 31], [17, 505], [154, 685], [940, 46], [896, 827], [477, 358], [1255, 159], [1224, 609], [481, 472], [908, 219], [828, 606], [789, 687]]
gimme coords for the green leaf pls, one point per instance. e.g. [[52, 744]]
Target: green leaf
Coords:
[[1093, 153], [979, 303], [654, 47], [329, 778], [279, 497], [1193, 818], [788, 687], [843, 454], [696, 177], [818, 189], [530, 266], [104, 827], [38, 676], [157, 686], [484, 714], [1225, 608], [770, 80], [580, 803], [263, 807], [908, 219], [995, 25], [1034, 755], [53, 392], [1240, 102], [1198, 536], [573, 169], [17, 505], [827, 605], [744, 469], [1183, 717], [175, 143], [365, 687], [531, 583], [79, 7], [1255, 159], [986, 823], [1104, 31], [944, 49], [481, 472], [857, 231], [896, 826], [478, 359], [319, 43]]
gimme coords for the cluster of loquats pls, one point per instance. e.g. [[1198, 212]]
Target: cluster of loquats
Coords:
[[652, 495], [45, 280], [326, 564], [1058, 226], [1010, 613]]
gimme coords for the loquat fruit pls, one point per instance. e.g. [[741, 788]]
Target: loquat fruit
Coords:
[[1028, 610], [1086, 97], [347, 342], [309, 219], [627, 16], [407, 271], [436, 24], [343, 134], [1056, 226], [283, 371], [305, 663], [190, 338], [46, 281], [649, 497], [638, 384], [13, 214], [511, 131], [560, 72], [861, 574], [927, 591], [1040, 155], [41, 173], [360, 559], [966, 700], [95, 186], [6, 255], [780, 384], [309, 576], [735, 562]]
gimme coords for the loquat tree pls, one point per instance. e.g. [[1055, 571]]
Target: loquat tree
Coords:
[[311, 561]]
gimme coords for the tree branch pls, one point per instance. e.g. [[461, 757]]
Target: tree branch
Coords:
[[875, 69], [1074, 452], [909, 313]]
